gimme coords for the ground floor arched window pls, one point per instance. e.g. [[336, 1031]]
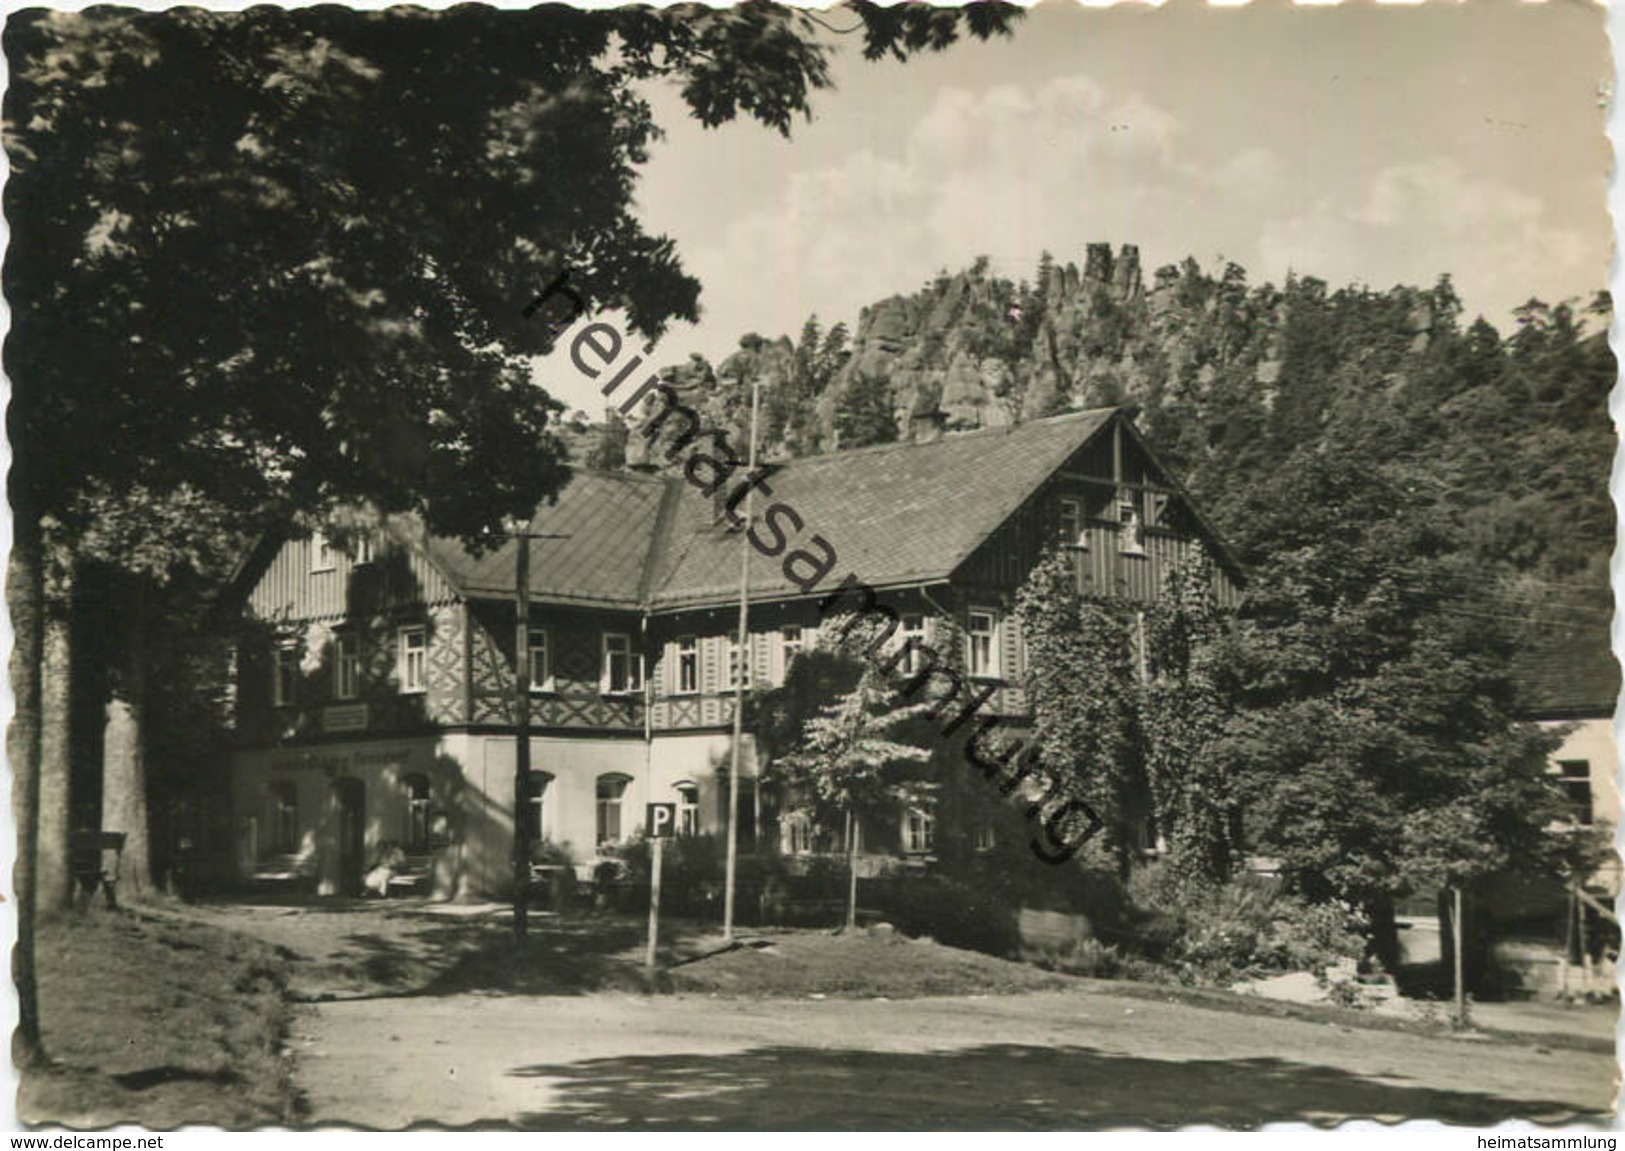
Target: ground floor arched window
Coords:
[[535, 795], [284, 818], [417, 814]]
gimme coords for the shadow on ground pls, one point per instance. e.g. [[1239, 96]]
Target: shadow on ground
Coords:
[[992, 1087], [362, 950]]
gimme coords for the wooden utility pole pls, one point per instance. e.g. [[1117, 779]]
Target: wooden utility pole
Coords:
[[654, 901], [521, 722], [521, 759], [732, 869], [1455, 933]]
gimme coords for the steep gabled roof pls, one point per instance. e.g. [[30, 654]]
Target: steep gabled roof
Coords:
[[608, 521], [894, 514]]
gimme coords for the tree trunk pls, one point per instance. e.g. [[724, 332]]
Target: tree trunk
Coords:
[[851, 872], [55, 880], [124, 769], [25, 595], [1385, 932]]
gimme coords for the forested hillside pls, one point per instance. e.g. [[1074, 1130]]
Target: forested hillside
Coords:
[[1506, 432]]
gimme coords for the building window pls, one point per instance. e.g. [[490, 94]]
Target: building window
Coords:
[[1575, 777], [747, 809], [417, 814], [1130, 532], [363, 550], [535, 791], [321, 553], [982, 639], [800, 836], [622, 671], [791, 644], [912, 639], [414, 659], [983, 839], [285, 818], [919, 830], [540, 670], [735, 663], [1072, 529], [346, 667], [611, 788], [285, 675], [688, 809], [688, 665]]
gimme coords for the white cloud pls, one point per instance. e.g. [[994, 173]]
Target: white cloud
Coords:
[[1414, 222], [1013, 170], [1005, 172]]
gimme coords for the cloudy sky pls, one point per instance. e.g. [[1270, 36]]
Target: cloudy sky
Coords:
[[1357, 143]]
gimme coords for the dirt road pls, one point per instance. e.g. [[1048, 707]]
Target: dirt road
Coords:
[[1069, 1059]]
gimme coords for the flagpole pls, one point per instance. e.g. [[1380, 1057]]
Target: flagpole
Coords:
[[731, 875]]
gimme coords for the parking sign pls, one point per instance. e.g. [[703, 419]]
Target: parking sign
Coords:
[[661, 820]]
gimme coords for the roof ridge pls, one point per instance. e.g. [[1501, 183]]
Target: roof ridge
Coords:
[[951, 437]]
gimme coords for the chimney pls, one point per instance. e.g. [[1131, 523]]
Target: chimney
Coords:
[[927, 427]]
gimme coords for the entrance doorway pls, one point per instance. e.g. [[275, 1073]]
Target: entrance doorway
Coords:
[[351, 795]]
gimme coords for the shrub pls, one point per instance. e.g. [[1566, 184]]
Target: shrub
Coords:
[[958, 914], [1217, 934]]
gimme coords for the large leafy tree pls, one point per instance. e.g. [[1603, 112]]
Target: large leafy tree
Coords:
[[278, 260], [1374, 704]]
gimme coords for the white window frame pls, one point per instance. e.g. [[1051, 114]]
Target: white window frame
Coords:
[[687, 647], [688, 807], [285, 662], [322, 558], [919, 831], [911, 635], [792, 642], [1568, 783], [603, 803], [634, 665], [800, 835], [993, 666], [412, 660], [1073, 518], [536, 805], [346, 666], [984, 838], [364, 551], [544, 681], [1130, 527]]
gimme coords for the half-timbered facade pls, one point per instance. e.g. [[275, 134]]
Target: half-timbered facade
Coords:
[[376, 679]]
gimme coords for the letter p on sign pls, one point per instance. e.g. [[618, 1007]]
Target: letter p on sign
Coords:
[[661, 820]]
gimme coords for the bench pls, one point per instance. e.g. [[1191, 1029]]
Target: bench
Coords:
[[412, 878], [287, 870], [93, 860]]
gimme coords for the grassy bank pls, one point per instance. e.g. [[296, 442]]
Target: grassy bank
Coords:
[[160, 1022]]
